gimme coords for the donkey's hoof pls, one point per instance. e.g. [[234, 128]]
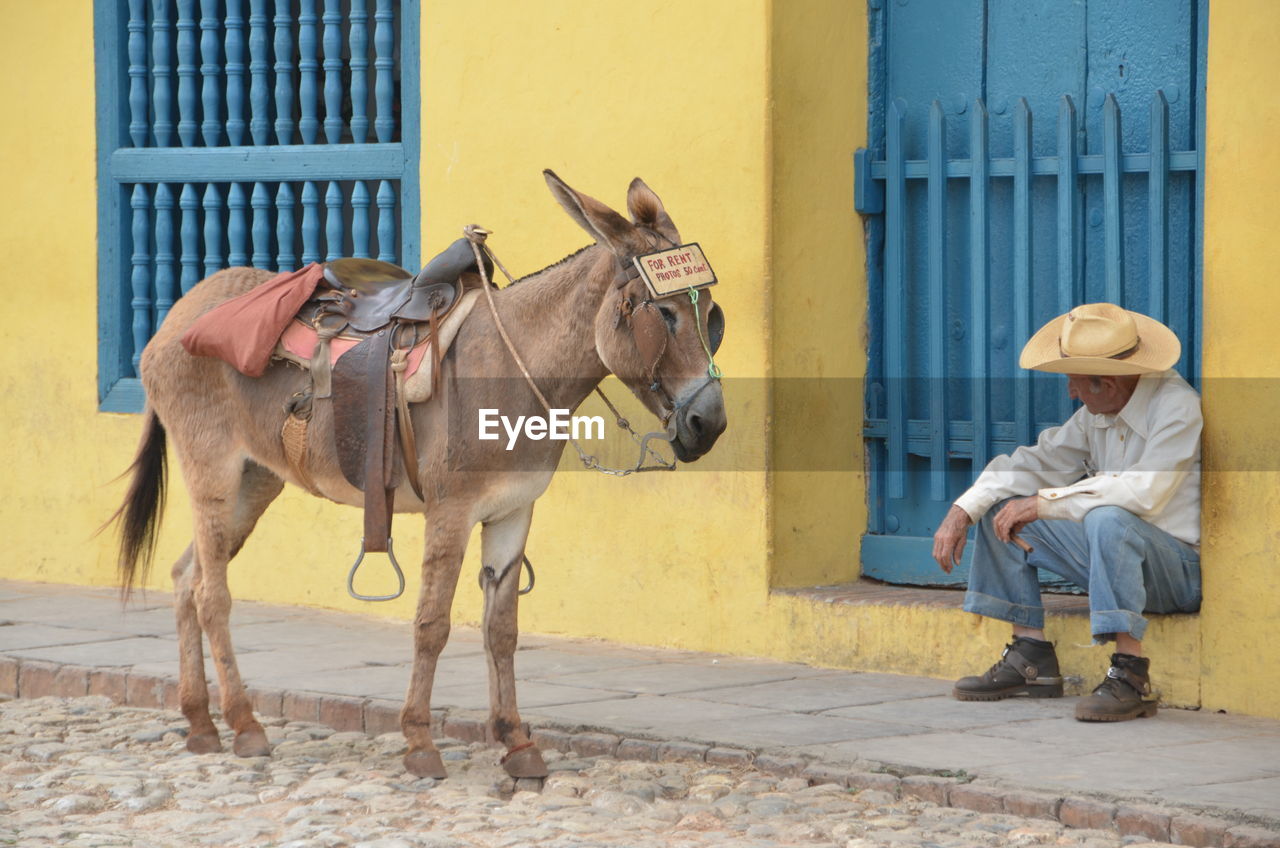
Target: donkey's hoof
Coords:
[[204, 743], [425, 764], [251, 743], [530, 784], [523, 761]]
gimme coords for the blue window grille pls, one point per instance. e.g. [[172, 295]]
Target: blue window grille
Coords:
[[245, 132], [1026, 156]]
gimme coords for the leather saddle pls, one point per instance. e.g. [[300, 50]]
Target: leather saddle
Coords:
[[378, 292], [390, 311]]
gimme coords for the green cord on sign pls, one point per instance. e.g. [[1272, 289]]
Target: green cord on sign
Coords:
[[713, 370]]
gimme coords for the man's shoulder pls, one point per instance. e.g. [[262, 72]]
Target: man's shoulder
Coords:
[[1171, 385], [1173, 394]]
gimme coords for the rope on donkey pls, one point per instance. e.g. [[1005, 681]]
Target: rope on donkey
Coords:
[[478, 236]]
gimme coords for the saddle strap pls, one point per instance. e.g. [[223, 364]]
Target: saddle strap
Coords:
[[364, 423], [436, 349], [408, 442], [321, 369], [328, 324], [379, 490]]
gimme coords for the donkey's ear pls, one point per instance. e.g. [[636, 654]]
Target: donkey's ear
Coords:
[[647, 210], [602, 223]]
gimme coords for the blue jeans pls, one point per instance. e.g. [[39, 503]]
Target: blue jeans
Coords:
[[1127, 566]]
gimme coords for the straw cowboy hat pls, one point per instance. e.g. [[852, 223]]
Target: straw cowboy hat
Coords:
[[1102, 339]]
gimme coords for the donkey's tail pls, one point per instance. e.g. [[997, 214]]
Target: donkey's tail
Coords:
[[139, 516]]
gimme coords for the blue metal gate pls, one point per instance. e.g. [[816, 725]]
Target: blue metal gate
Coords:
[[245, 132], [1028, 156]]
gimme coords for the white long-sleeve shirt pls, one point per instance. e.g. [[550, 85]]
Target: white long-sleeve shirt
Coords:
[[1145, 458]]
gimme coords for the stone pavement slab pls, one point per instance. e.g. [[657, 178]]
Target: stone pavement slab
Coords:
[[948, 750], [1133, 771], [785, 729], [17, 636], [1174, 728], [649, 714], [15, 591], [151, 621], [114, 651], [1254, 797], [942, 713], [531, 695], [267, 666], [360, 668], [296, 633], [828, 691], [356, 681], [677, 677], [547, 663]]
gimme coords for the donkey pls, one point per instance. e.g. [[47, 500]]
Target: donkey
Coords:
[[566, 323]]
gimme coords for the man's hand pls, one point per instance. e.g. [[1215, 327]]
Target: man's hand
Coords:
[[1016, 514], [948, 542]]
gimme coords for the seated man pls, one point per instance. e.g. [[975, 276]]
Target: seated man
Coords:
[[1110, 500]]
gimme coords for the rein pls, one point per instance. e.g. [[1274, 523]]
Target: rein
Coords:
[[477, 237]]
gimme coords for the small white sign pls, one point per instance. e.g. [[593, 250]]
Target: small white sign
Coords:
[[669, 272]]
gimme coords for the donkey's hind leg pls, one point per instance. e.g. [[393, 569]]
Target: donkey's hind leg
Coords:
[[502, 554], [221, 526], [193, 689]]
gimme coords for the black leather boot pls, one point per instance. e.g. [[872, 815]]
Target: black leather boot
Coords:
[[1123, 694], [1027, 667]]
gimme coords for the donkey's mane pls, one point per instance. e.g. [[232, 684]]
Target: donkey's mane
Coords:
[[567, 259]]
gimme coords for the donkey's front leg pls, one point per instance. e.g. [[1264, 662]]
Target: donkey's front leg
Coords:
[[446, 545], [502, 553]]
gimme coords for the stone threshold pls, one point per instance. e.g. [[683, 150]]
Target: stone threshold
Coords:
[[1176, 825], [866, 591]]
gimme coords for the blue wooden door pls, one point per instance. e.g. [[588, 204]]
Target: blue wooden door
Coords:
[[1027, 156]]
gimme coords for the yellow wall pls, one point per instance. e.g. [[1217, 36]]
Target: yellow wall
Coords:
[[58, 453], [598, 91], [1241, 371], [818, 295], [749, 142]]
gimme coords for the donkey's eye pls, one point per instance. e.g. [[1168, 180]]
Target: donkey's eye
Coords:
[[669, 315]]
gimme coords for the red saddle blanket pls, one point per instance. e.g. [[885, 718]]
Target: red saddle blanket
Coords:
[[300, 340], [243, 331]]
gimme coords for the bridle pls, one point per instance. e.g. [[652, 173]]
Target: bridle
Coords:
[[650, 333], [657, 347]]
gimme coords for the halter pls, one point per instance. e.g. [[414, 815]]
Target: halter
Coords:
[[478, 237], [649, 331]]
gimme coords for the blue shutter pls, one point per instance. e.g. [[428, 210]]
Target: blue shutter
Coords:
[[236, 132], [1028, 156]]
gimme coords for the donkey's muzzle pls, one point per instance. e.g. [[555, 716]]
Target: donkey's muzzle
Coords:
[[699, 421]]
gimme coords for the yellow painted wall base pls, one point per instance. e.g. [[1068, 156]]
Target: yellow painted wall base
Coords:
[[921, 639]]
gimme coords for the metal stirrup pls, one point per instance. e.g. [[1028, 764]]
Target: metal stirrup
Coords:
[[487, 573], [351, 576]]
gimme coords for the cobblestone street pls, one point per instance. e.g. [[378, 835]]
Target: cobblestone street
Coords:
[[83, 772]]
